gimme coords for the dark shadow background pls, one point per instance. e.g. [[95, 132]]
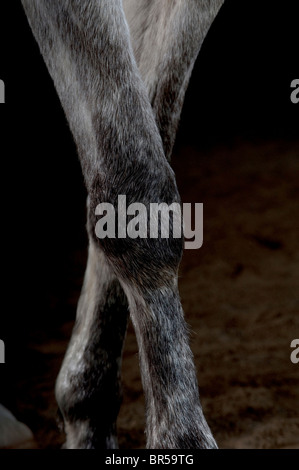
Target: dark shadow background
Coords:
[[239, 92]]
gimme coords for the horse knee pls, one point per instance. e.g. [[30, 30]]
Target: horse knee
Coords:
[[144, 241]]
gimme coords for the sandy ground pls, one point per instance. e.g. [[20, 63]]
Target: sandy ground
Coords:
[[240, 296]]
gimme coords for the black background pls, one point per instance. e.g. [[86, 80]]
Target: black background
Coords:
[[240, 89]]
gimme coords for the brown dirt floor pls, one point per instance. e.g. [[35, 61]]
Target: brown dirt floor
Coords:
[[240, 296]]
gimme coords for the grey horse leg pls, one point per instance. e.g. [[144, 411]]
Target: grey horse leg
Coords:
[[86, 47]]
